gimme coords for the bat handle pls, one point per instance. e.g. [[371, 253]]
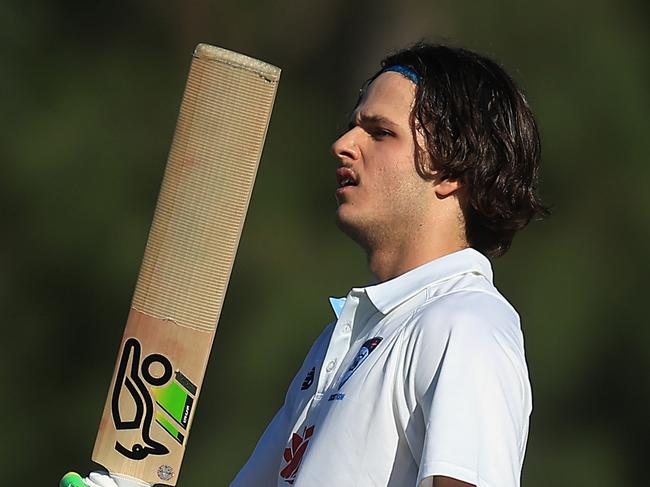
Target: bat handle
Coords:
[[72, 479]]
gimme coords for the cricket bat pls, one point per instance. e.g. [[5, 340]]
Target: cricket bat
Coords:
[[189, 255]]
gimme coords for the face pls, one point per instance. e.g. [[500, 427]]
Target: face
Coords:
[[380, 195]]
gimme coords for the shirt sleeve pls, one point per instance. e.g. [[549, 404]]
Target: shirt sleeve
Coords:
[[262, 468], [471, 386]]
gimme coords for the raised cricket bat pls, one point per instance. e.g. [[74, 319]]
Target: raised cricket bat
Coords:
[[192, 243]]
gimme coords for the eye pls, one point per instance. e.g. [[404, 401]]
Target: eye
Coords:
[[379, 133]]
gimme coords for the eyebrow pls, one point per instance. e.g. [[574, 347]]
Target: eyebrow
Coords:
[[370, 119]]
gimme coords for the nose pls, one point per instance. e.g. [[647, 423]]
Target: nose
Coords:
[[345, 147]]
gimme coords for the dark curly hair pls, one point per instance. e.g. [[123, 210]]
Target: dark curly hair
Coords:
[[479, 130]]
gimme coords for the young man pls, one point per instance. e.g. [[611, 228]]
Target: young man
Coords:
[[421, 380]]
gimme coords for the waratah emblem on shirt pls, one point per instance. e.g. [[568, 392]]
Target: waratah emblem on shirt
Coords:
[[293, 454]]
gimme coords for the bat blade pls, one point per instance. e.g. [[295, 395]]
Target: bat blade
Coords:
[[189, 255]]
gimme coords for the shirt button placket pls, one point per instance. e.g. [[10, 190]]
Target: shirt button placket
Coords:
[[331, 365], [340, 342]]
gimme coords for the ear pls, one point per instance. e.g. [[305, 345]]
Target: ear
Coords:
[[447, 187]]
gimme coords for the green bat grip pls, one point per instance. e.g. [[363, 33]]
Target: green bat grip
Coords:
[[72, 479]]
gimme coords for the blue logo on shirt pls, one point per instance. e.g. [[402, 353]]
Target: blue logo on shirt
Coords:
[[336, 397], [365, 350], [309, 380]]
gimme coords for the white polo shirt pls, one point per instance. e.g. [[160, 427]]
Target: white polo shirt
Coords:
[[418, 376]]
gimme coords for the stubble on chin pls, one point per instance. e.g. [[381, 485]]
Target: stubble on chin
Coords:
[[367, 234], [351, 227]]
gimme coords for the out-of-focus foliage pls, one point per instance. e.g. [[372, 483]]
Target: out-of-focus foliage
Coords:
[[90, 92]]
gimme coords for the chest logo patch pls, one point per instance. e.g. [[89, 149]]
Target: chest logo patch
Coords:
[[365, 350], [293, 454]]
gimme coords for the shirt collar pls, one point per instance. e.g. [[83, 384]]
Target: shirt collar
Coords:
[[387, 295], [337, 305]]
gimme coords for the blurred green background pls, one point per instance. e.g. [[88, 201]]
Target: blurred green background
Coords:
[[90, 94]]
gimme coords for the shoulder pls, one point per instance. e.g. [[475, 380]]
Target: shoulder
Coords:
[[474, 314], [469, 332]]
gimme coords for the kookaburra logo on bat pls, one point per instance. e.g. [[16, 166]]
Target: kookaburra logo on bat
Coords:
[[132, 373]]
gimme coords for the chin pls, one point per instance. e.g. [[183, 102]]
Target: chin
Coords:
[[354, 227], [345, 217]]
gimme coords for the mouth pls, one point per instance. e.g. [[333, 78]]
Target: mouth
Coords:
[[346, 177]]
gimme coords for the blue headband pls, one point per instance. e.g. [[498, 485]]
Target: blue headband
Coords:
[[404, 71]]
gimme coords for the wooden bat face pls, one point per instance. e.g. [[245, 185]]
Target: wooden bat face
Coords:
[[152, 398], [186, 267]]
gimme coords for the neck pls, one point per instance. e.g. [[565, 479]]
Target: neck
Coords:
[[393, 250], [389, 262], [388, 265]]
